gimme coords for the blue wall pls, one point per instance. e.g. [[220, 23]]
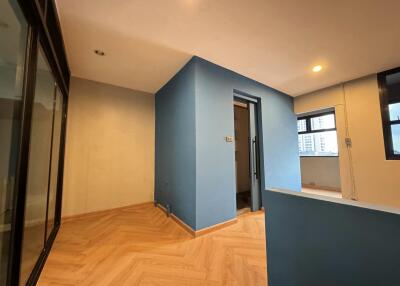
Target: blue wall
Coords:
[[175, 165], [317, 242], [215, 162], [195, 167]]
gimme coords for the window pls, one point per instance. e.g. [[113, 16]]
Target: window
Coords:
[[389, 86], [317, 135]]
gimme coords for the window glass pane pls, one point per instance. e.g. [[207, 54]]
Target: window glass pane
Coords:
[[318, 144], [55, 154], [323, 122], [38, 168], [393, 87], [396, 138], [13, 35], [301, 125], [394, 111]]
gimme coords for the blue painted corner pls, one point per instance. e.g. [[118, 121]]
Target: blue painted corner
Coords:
[[215, 161], [175, 163], [195, 167]]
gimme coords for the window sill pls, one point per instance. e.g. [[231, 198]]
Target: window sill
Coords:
[[333, 156]]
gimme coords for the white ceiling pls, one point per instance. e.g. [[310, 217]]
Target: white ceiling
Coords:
[[276, 42]]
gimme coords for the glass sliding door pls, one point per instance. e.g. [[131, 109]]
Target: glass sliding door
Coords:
[[13, 39], [38, 168], [32, 126]]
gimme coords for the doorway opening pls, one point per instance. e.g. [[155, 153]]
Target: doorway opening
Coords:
[[247, 163], [319, 154]]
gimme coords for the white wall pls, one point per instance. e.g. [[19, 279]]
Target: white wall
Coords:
[[323, 172], [375, 178], [109, 159]]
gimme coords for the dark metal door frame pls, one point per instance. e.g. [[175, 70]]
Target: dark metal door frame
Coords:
[[255, 146]]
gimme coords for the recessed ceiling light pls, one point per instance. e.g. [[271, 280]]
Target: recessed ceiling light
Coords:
[[317, 68], [99, 52]]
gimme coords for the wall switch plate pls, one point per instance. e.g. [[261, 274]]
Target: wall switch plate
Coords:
[[228, 138], [347, 140]]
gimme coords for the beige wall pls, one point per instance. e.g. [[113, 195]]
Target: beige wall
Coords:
[[374, 177], [109, 159], [322, 172]]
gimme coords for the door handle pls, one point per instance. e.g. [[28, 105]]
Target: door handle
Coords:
[[255, 164], [250, 155]]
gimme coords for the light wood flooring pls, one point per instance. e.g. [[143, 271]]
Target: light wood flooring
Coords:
[[141, 246]]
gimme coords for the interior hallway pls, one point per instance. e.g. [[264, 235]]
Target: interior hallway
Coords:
[[139, 245]]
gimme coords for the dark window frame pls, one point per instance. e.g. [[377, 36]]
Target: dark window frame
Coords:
[[386, 122], [309, 130]]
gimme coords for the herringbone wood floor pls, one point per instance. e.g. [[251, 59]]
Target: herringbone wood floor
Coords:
[[140, 246]]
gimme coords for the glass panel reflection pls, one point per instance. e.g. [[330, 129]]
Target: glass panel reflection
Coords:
[[13, 35], [38, 168], [55, 154]]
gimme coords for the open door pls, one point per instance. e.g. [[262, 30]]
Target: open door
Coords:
[[247, 161]]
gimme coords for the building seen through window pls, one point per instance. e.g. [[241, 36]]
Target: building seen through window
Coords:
[[389, 87]]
